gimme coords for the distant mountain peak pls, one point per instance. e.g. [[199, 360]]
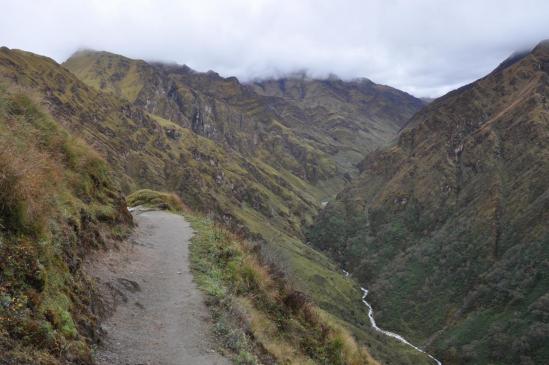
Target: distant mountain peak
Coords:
[[512, 59], [85, 52], [542, 50]]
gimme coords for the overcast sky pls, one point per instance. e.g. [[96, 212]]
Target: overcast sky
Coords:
[[425, 47]]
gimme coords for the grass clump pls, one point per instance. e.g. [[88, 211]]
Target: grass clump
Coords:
[[156, 200], [259, 317]]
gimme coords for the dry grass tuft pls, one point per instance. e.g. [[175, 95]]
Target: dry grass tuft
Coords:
[[26, 180]]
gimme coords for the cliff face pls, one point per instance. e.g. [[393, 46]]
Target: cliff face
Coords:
[[449, 226]]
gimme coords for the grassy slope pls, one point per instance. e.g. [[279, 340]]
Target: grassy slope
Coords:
[[219, 109], [153, 152], [449, 227], [272, 209], [57, 201], [156, 200], [248, 194], [259, 316], [359, 114]]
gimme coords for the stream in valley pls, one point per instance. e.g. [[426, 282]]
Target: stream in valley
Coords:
[[389, 333]]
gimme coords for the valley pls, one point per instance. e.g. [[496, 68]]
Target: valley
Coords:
[[439, 209], [222, 148], [448, 227]]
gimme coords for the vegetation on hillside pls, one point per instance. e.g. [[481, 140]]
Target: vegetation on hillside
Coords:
[[212, 107], [266, 193], [316, 130], [359, 115], [258, 315], [57, 202], [254, 195], [448, 228]]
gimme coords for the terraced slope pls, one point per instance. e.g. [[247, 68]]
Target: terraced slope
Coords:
[[448, 228]]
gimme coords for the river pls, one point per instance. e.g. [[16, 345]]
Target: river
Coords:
[[389, 333]]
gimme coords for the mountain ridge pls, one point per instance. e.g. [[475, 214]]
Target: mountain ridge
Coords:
[[212, 97], [267, 189], [451, 220]]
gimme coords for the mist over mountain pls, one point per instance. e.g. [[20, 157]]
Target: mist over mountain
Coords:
[[259, 164], [425, 48], [274, 182]]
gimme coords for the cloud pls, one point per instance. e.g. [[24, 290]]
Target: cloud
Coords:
[[426, 47]]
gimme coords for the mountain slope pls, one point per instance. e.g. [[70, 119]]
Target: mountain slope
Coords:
[[216, 108], [318, 137], [151, 151], [360, 115], [448, 228], [58, 201], [269, 199]]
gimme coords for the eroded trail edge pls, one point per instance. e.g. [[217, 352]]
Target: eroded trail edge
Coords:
[[158, 315]]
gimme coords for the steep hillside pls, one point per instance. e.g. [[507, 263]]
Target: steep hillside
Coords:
[[151, 151], [258, 317], [58, 201], [360, 115], [448, 228], [317, 136], [258, 193]]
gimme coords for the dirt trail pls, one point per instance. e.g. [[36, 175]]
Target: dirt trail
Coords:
[[159, 316]]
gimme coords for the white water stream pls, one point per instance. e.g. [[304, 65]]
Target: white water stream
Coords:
[[389, 333]]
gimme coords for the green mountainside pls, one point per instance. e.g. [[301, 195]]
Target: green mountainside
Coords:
[[444, 220], [449, 227], [359, 115], [221, 147], [58, 201], [319, 136]]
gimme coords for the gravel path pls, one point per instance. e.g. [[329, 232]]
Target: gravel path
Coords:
[[158, 314]]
